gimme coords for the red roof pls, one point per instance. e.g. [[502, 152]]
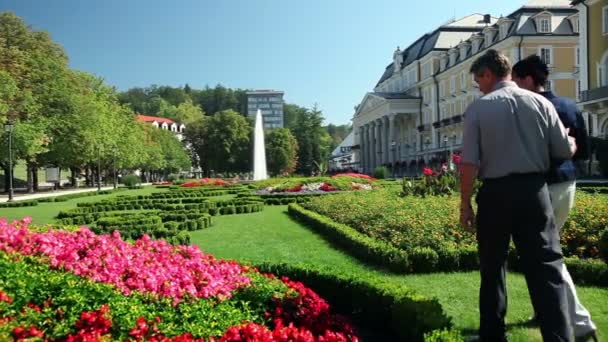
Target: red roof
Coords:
[[147, 118]]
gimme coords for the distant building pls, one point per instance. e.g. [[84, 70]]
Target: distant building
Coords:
[[270, 102], [164, 123], [342, 157]]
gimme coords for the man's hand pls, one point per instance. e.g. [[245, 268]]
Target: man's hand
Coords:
[[467, 218]]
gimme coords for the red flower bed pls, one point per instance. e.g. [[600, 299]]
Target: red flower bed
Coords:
[[355, 175], [327, 187], [205, 182]]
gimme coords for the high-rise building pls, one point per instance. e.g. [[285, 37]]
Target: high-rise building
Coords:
[[270, 102]]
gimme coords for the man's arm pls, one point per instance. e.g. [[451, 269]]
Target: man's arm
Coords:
[[561, 146], [468, 174], [469, 166]]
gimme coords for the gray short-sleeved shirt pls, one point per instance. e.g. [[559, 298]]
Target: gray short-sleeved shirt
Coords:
[[512, 130]]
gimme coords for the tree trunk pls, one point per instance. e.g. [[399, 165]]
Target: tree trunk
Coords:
[[30, 176], [73, 176], [59, 177], [35, 177], [6, 179], [87, 176]]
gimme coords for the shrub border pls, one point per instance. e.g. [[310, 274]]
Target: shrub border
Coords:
[[371, 301]]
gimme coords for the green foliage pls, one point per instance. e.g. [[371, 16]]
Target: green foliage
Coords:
[[313, 140], [381, 172], [15, 204], [444, 335], [281, 151], [341, 183], [131, 181]]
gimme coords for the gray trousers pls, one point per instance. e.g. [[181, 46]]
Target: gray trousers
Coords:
[[518, 207]]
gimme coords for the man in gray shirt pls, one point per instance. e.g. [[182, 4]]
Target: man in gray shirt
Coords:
[[510, 136]]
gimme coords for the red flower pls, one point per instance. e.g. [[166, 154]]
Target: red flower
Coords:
[[327, 187], [456, 158], [427, 171]]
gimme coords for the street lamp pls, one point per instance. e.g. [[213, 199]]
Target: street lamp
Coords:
[[394, 148], [445, 146], [8, 128], [114, 180], [98, 167]]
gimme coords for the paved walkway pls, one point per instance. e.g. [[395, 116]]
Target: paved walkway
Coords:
[[53, 193]]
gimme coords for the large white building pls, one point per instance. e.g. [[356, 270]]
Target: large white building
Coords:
[[413, 117]]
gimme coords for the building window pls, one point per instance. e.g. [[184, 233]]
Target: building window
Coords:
[[545, 54], [463, 81], [452, 84], [605, 19], [544, 25]]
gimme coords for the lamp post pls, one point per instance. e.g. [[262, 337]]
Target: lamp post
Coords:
[[98, 167], [445, 146], [452, 151], [394, 148], [114, 180], [8, 128]]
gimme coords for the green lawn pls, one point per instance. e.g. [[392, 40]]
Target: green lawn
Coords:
[[272, 236], [45, 212]]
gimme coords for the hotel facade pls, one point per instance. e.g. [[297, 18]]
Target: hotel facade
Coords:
[[413, 117]]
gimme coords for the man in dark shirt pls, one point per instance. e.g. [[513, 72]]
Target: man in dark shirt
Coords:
[[531, 73]]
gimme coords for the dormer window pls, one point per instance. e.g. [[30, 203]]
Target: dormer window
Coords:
[[443, 62], [488, 38], [503, 27], [574, 22], [543, 22], [476, 44], [463, 50], [453, 53]]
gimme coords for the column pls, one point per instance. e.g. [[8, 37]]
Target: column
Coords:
[[378, 144], [361, 149], [386, 156], [368, 147], [391, 137]]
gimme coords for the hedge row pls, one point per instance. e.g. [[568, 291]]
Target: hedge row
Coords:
[[368, 249], [64, 198], [424, 259], [371, 301], [27, 203]]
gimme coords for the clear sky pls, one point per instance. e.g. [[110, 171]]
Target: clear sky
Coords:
[[329, 52]]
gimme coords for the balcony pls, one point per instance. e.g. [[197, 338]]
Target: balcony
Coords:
[[423, 128], [437, 124], [594, 94], [457, 118]]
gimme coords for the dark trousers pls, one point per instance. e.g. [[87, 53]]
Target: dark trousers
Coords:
[[518, 206]]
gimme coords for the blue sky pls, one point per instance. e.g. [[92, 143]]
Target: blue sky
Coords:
[[329, 52]]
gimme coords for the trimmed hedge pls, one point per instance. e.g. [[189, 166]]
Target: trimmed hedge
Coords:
[[15, 204], [372, 301], [283, 198], [368, 249], [64, 198]]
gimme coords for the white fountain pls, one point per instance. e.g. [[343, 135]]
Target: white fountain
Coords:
[[259, 149]]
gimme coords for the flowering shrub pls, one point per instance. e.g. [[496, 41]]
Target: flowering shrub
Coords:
[[147, 265], [433, 183], [342, 182], [221, 301], [354, 175], [205, 182]]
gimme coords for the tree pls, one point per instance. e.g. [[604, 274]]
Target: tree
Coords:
[[313, 140], [291, 113], [281, 151], [222, 142], [337, 133]]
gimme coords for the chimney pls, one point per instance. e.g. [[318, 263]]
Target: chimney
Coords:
[[487, 18]]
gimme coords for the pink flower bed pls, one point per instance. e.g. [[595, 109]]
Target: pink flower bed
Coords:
[[355, 175], [151, 266]]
